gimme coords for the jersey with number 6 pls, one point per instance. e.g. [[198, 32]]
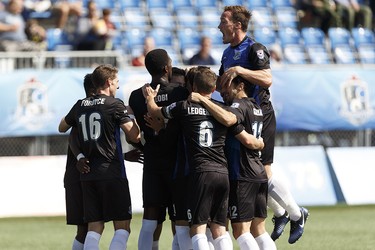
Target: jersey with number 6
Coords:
[[98, 120], [204, 136]]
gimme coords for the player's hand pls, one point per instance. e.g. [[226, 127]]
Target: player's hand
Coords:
[[228, 76], [156, 124], [134, 155], [148, 91], [195, 97], [83, 165]]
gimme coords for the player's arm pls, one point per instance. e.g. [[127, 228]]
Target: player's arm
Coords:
[[132, 132], [250, 141], [223, 116], [262, 77], [82, 162], [63, 126]]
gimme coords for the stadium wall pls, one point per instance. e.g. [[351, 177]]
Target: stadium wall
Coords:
[[33, 186]]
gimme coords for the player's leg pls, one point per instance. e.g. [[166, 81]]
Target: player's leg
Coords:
[[121, 235], [263, 239]]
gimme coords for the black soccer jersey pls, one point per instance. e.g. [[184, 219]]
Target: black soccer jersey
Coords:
[[71, 173], [244, 163], [157, 155], [98, 120], [254, 56], [203, 135]]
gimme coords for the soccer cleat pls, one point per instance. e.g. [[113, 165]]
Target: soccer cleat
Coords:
[[297, 227], [280, 223]]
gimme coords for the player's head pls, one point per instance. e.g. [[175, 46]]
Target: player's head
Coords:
[[88, 85], [178, 76], [234, 21], [158, 63], [105, 76], [238, 88], [204, 81]]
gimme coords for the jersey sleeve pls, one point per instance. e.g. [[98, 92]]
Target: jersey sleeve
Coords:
[[259, 57], [122, 115], [70, 118]]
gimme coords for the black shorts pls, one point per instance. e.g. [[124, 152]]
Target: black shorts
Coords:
[[247, 200], [268, 134], [208, 198], [157, 189], [180, 192], [74, 203], [106, 200]]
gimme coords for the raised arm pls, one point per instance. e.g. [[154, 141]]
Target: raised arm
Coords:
[[150, 94], [262, 77], [223, 116]]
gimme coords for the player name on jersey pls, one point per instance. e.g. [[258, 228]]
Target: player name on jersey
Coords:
[[93, 102], [197, 111]]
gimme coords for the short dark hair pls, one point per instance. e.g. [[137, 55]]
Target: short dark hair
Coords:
[[88, 85], [205, 80], [239, 14], [248, 87], [101, 74], [156, 60]]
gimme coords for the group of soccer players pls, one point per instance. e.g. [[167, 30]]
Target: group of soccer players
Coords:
[[204, 161]]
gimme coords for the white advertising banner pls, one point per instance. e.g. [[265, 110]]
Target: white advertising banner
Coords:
[[305, 171], [355, 171]]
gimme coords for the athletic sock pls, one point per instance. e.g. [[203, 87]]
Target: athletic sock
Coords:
[[246, 241], [92, 241], [119, 240], [265, 242], [199, 242], [146, 235], [278, 190], [223, 243], [175, 245], [77, 245], [183, 237], [210, 239], [275, 207]]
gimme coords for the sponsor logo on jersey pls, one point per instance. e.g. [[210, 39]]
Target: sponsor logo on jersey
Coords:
[[237, 54], [355, 103]]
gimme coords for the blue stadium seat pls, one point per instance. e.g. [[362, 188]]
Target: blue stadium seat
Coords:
[[362, 36], [175, 56], [136, 19], [344, 55], [134, 37], [162, 19], [366, 53], [206, 4], [275, 4], [105, 4], [56, 37], [157, 4], [189, 40], [318, 54], [251, 4], [130, 4], [262, 17], [286, 17], [295, 54], [313, 36], [163, 37], [232, 2], [289, 36], [265, 36], [339, 36], [187, 19], [210, 17], [182, 4]]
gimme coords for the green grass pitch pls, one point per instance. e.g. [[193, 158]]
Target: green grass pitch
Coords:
[[328, 228]]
